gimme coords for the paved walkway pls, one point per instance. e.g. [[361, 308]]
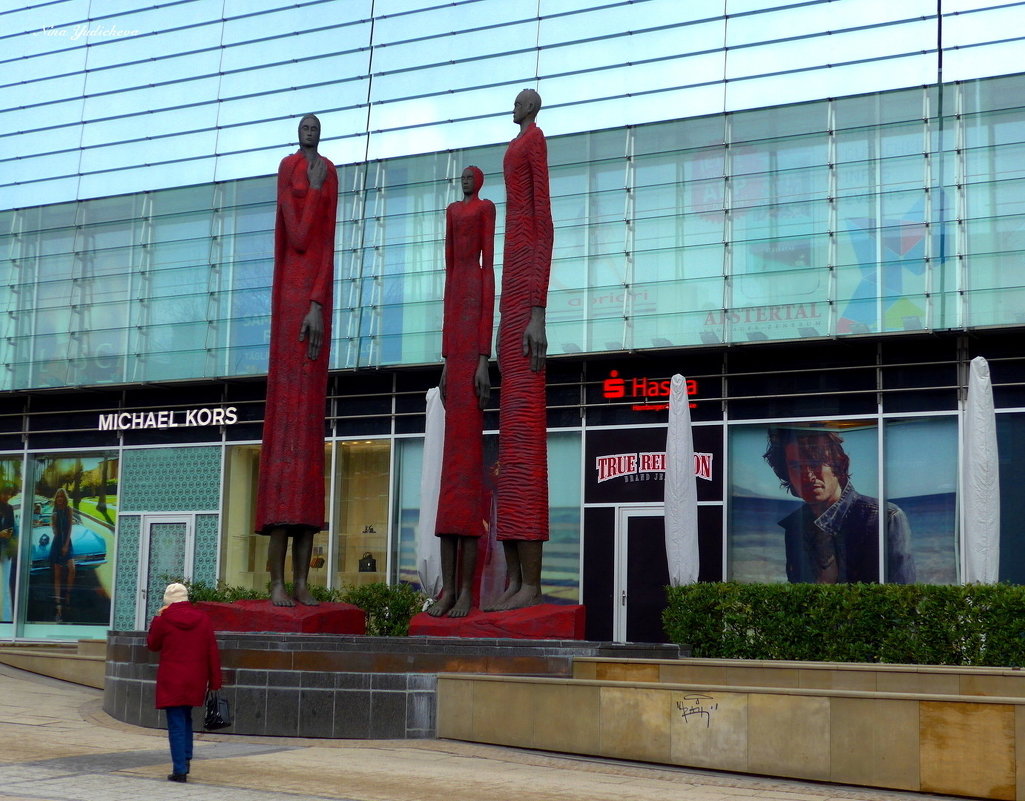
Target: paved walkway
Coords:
[[57, 743]]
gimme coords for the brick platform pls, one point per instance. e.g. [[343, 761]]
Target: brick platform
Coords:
[[342, 686]]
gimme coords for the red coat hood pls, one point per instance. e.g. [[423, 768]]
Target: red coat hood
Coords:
[[183, 615]]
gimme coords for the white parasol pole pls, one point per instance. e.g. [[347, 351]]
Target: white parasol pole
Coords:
[[681, 494], [981, 479], [428, 551]]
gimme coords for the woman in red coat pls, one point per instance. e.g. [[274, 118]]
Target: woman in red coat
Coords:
[[189, 665]]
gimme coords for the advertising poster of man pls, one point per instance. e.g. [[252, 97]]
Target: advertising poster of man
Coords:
[[73, 512], [805, 504], [10, 498]]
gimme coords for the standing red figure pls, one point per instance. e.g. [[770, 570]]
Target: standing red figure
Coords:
[[291, 493], [522, 346], [465, 387]]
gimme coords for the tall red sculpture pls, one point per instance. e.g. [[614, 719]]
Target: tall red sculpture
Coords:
[[290, 503], [465, 388], [522, 347]]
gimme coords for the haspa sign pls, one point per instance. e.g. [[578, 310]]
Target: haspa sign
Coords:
[[647, 394]]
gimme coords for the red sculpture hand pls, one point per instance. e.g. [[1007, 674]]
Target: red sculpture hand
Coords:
[[535, 341], [316, 172], [313, 326], [482, 382]]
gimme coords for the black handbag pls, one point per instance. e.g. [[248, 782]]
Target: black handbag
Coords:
[[218, 714], [368, 564]]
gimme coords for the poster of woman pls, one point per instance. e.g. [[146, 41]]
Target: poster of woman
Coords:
[[74, 511]]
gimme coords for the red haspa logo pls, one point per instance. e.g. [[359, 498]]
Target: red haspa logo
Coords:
[[645, 389]]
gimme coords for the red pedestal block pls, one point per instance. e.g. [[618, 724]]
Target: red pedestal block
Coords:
[[542, 622], [264, 616]]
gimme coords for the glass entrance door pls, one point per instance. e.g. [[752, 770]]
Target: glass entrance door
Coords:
[[167, 551]]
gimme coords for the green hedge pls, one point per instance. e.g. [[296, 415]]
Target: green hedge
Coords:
[[913, 624]]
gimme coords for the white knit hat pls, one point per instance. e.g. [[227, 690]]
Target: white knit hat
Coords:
[[175, 593]]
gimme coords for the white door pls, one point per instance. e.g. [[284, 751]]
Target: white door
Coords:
[[167, 548], [641, 574]]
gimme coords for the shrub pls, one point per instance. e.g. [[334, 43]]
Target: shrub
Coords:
[[389, 607], [912, 624]]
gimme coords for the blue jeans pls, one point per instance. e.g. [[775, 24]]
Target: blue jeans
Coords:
[[179, 735]]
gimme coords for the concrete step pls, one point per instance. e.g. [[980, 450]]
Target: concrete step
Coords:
[[83, 662]]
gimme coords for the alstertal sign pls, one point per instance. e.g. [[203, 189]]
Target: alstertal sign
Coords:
[[169, 418]]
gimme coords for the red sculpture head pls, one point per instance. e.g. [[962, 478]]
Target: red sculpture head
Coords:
[[472, 180]]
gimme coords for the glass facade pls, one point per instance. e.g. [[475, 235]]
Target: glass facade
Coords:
[[123, 106], [813, 210], [880, 213]]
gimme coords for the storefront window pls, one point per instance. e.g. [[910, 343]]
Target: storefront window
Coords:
[[244, 552], [10, 530], [361, 519], [921, 481], [69, 556], [800, 502], [560, 579]]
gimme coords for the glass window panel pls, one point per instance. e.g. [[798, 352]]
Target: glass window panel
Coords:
[[30, 168], [890, 73], [880, 108], [616, 18], [610, 113], [33, 92], [135, 102], [150, 34], [921, 481], [347, 72], [993, 23], [443, 79], [46, 31], [395, 26], [958, 6], [666, 45], [39, 193], [183, 68], [983, 61], [836, 48], [816, 17], [143, 179], [985, 307], [441, 135], [154, 125], [778, 286], [623, 79], [418, 53], [59, 115], [994, 235], [110, 157]]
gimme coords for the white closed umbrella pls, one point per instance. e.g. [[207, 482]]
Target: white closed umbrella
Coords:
[[428, 551], [681, 492], [981, 479]]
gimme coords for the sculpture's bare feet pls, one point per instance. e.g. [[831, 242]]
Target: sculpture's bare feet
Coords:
[[500, 602], [527, 595], [461, 608], [440, 607], [278, 596], [302, 595]]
